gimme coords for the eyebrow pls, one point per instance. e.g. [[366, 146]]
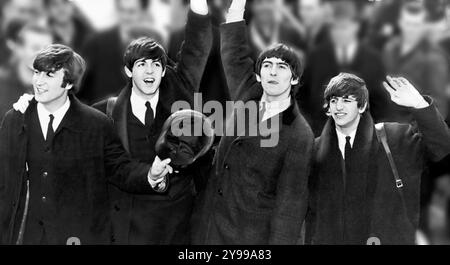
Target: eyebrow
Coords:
[[279, 63]]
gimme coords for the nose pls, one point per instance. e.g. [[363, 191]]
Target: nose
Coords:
[[273, 70], [339, 105], [149, 69]]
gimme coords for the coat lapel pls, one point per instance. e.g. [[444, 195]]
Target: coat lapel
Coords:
[[119, 116]]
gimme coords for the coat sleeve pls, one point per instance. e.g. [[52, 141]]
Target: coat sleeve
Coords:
[[437, 79], [434, 131], [195, 50], [3, 169], [237, 63], [292, 192], [126, 174]]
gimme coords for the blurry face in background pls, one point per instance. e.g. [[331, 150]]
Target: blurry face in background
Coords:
[[130, 13], [29, 10], [60, 11], [264, 11], [344, 31], [412, 26], [311, 12], [32, 43]]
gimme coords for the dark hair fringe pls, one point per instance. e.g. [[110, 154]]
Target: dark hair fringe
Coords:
[[56, 57], [347, 84], [286, 54], [146, 48]]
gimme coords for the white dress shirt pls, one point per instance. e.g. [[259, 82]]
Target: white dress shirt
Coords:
[[138, 105], [44, 116], [138, 108], [342, 141], [275, 107]]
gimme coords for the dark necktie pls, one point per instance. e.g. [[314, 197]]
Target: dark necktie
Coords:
[[148, 114], [50, 132], [348, 148]]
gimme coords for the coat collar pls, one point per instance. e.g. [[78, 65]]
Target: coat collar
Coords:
[[361, 145], [72, 120], [122, 107]]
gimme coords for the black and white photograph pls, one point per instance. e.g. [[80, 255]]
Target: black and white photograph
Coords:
[[221, 128]]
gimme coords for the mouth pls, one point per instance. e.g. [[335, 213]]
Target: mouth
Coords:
[[340, 114], [40, 90], [149, 81], [272, 82]]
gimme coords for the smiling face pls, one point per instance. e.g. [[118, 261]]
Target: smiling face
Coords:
[[48, 88], [276, 78], [146, 76], [345, 112]]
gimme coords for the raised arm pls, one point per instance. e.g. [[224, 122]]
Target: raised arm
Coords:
[[236, 54], [431, 125], [196, 47]]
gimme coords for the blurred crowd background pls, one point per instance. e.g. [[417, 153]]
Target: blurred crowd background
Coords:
[[371, 38]]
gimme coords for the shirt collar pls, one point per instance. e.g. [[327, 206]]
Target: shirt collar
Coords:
[[138, 105], [274, 107], [341, 136], [58, 115]]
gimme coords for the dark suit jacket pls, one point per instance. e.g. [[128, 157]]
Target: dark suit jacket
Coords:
[[322, 65], [366, 202], [255, 195], [167, 213], [87, 154]]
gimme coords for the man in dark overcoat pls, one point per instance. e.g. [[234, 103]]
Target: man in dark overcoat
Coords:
[[161, 218], [356, 198], [344, 53], [257, 193], [57, 158]]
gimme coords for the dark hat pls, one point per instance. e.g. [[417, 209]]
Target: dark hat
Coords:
[[186, 136]]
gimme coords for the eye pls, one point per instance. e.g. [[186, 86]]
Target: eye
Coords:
[[347, 100], [266, 65], [35, 71], [333, 100], [157, 64], [283, 66], [50, 74], [140, 64]]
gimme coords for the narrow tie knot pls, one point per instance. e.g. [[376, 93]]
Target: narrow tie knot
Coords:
[[347, 139], [147, 104]]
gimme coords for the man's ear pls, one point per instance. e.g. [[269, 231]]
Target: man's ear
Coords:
[[258, 78], [68, 87], [294, 81], [128, 72], [163, 73], [363, 109]]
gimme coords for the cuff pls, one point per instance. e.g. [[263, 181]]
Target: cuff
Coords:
[[199, 7], [234, 15]]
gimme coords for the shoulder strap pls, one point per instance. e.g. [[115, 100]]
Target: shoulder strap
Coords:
[[381, 135], [110, 106]]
